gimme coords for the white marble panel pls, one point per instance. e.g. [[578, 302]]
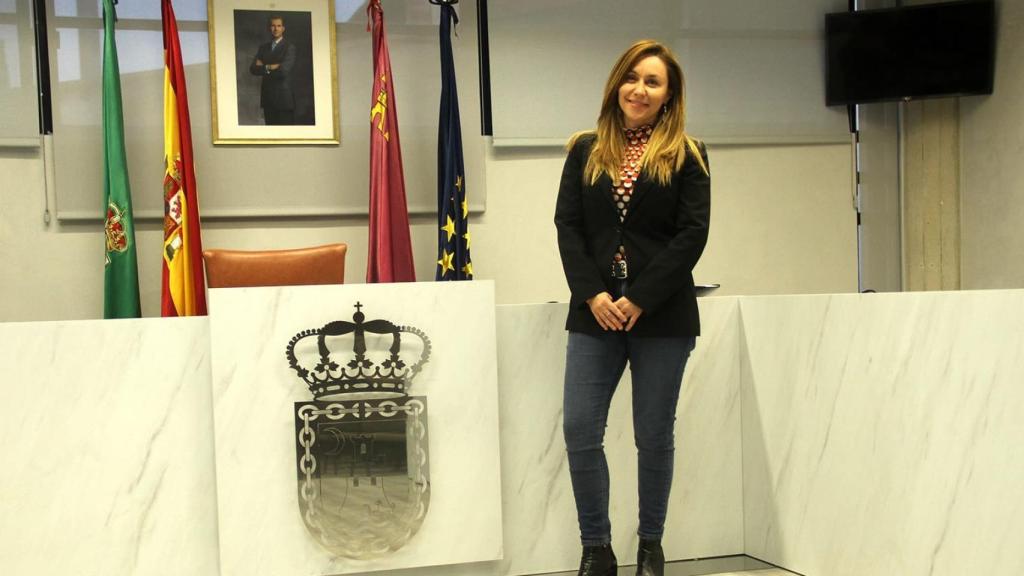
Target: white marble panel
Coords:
[[883, 433], [106, 454], [705, 513], [261, 530], [880, 435]]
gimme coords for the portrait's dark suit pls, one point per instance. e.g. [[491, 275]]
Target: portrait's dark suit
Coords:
[[664, 234], [276, 96]]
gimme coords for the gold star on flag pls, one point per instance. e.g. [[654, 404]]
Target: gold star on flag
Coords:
[[468, 269], [445, 262], [458, 183], [465, 208], [449, 228], [466, 236]]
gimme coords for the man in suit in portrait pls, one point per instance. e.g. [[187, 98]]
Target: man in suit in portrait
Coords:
[[274, 62]]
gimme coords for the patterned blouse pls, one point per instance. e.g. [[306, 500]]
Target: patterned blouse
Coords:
[[629, 173]]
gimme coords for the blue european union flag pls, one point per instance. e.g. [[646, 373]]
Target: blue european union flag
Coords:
[[453, 261]]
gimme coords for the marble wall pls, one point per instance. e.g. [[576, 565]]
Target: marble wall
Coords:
[[106, 452], [705, 511], [882, 433], [127, 485], [832, 435]]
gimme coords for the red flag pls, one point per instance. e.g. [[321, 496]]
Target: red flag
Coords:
[[390, 257], [183, 291]]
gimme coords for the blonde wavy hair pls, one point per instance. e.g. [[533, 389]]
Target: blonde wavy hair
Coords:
[[665, 149]]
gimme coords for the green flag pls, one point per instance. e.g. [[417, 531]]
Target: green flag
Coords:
[[121, 273]]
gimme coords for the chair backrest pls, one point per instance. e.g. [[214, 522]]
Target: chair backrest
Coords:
[[238, 268]]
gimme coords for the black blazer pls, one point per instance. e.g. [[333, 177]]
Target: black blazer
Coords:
[[276, 90], [664, 233]]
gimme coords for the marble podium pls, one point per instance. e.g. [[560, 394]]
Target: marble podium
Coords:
[[882, 433], [106, 452], [706, 506], [254, 391], [850, 435]]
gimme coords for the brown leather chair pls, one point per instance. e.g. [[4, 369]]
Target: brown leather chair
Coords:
[[238, 268]]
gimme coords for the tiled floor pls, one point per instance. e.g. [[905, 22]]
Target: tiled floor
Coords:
[[769, 572], [724, 566], [673, 570]]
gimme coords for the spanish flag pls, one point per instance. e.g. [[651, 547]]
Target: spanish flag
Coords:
[[183, 291]]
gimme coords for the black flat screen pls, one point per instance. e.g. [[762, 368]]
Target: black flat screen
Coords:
[[918, 51]]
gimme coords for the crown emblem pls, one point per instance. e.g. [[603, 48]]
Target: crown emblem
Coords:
[[329, 377]]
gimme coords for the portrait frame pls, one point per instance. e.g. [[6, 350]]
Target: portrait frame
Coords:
[[242, 107]]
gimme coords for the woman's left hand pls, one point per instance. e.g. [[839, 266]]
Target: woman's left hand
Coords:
[[631, 311]]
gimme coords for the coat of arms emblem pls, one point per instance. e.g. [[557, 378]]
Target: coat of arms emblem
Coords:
[[361, 443], [113, 228]]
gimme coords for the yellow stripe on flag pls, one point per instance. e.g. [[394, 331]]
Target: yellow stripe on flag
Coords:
[[176, 232]]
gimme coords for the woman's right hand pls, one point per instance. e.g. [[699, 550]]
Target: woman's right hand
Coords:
[[606, 312]]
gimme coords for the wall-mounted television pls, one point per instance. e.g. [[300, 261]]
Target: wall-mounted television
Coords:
[[929, 50]]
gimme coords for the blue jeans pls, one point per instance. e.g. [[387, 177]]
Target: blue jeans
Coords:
[[593, 367]]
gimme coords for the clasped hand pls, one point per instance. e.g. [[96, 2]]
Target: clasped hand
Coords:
[[614, 315]]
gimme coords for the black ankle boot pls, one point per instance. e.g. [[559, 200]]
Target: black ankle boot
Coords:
[[650, 560], [598, 561]]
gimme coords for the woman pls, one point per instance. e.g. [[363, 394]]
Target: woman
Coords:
[[632, 218]]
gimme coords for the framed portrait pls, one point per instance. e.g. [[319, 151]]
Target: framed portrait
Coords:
[[273, 72]]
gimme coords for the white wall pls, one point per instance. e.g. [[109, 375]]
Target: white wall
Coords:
[[782, 222], [992, 166], [782, 218]]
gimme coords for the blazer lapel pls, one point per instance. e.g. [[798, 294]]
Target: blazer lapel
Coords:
[[640, 189], [603, 188]]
